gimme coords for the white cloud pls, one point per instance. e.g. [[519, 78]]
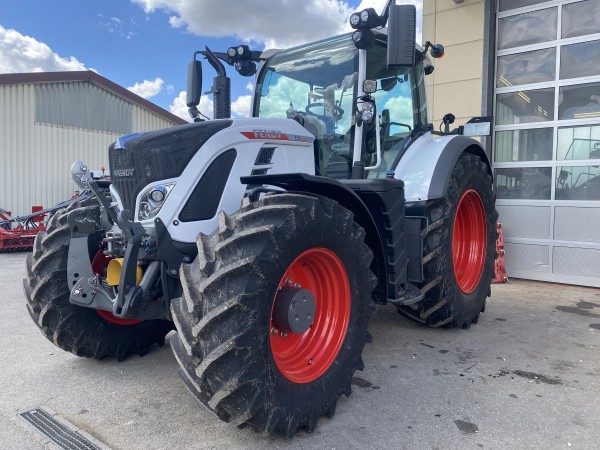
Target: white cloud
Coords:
[[116, 26], [180, 109], [241, 106], [274, 23], [19, 53], [147, 88]]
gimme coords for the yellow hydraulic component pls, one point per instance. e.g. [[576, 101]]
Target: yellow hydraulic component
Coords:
[[113, 272]]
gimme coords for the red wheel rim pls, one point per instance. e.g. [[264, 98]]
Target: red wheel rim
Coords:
[[303, 358], [99, 263], [469, 241]]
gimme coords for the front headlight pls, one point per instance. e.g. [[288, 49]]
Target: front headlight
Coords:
[[153, 199]]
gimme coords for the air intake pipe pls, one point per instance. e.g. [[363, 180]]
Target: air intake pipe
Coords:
[[221, 88]]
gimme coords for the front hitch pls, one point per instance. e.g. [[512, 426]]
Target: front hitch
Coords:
[[132, 301]]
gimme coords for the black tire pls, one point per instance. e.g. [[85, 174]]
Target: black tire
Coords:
[[81, 331], [223, 319], [445, 304]]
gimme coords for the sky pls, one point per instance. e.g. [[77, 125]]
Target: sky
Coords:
[[146, 45]]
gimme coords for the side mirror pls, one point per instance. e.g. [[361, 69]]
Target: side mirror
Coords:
[[194, 84], [402, 31]]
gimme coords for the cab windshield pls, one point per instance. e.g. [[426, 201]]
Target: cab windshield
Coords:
[[315, 85]]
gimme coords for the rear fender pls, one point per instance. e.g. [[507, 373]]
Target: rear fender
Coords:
[[427, 164], [425, 169]]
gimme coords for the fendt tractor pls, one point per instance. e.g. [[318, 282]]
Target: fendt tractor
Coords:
[[265, 242]]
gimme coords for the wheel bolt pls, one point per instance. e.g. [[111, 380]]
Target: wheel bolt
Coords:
[[288, 281], [297, 285], [310, 361], [283, 334], [274, 330]]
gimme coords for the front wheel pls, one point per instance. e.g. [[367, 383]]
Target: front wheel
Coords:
[[459, 248], [274, 313]]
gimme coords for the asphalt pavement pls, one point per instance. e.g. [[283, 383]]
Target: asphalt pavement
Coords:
[[526, 376]]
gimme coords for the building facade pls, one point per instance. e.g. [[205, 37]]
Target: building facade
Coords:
[[535, 66], [51, 119]]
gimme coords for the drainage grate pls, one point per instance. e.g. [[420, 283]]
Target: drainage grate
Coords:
[[67, 438]]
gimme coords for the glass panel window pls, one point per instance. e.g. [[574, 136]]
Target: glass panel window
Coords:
[[525, 106], [580, 60], [528, 28], [524, 145], [578, 183], [505, 5], [579, 102], [531, 183], [577, 143], [319, 84], [581, 18], [525, 68]]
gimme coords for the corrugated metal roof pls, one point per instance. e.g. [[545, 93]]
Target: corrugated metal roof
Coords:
[[93, 77]]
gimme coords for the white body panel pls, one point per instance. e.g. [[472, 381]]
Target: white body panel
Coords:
[[293, 153]]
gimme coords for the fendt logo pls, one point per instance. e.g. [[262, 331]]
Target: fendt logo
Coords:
[[124, 172], [275, 135], [267, 134]]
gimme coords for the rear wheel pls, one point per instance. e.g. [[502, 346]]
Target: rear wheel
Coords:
[[459, 248], [82, 331], [274, 313]]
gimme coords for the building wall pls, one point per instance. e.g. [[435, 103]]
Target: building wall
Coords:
[[145, 120], [533, 64], [35, 158], [547, 138], [455, 86]]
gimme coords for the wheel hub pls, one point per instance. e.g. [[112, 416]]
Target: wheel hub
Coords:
[[308, 349], [294, 309]]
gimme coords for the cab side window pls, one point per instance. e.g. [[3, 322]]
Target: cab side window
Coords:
[[395, 100]]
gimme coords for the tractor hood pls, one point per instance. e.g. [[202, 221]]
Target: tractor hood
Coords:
[[139, 159]]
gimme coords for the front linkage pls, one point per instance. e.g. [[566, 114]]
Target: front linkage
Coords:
[[131, 298]]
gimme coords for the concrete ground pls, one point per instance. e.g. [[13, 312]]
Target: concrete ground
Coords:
[[526, 376]]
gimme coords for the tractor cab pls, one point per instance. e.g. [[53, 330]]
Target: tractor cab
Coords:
[[319, 87]]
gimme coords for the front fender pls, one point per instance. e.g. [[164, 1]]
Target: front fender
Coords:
[[345, 196], [427, 164]]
